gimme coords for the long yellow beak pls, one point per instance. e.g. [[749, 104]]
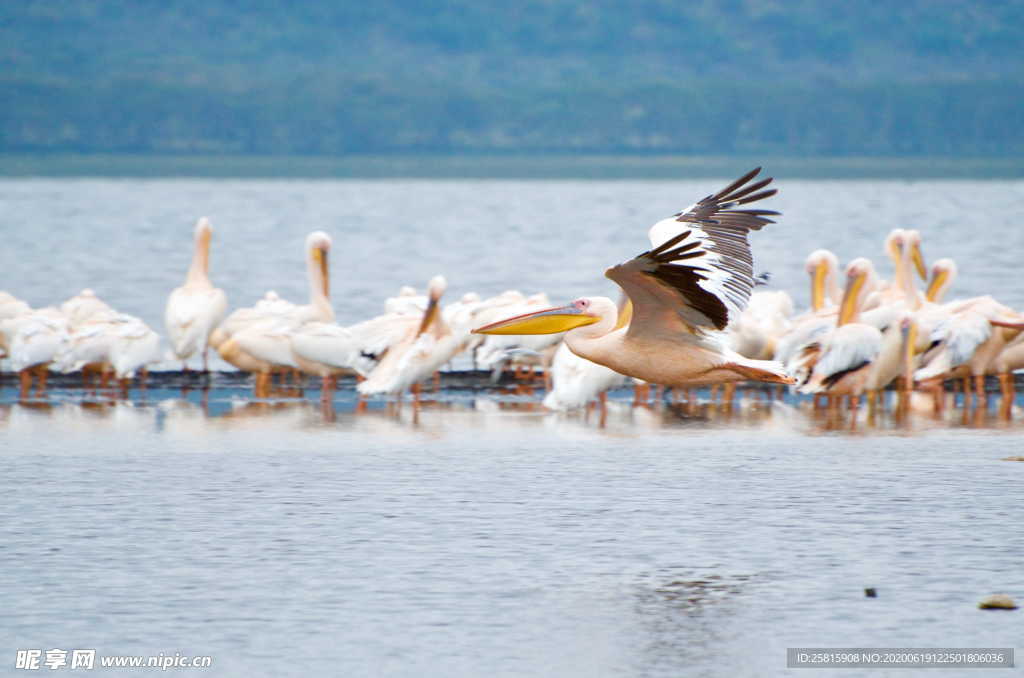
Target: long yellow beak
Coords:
[[932, 293], [918, 259], [548, 321], [848, 306], [428, 316], [818, 287]]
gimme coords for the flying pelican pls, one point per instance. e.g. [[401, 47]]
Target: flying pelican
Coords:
[[197, 307], [697, 276], [264, 345]]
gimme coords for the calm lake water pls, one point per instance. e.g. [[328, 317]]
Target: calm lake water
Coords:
[[480, 535]]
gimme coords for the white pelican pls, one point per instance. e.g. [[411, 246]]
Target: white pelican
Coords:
[[264, 345], [197, 307], [823, 268], [1008, 360], [32, 340], [135, 346], [858, 357], [423, 350], [697, 276], [407, 301], [270, 307], [83, 307], [328, 350], [904, 248], [765, 320], [968, 341]]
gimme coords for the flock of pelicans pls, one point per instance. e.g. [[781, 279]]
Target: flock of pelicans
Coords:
[[689, 316]]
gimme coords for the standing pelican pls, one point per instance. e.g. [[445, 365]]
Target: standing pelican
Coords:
[[33, 340], [857, 356], [697, 276], [264, 345], [424, 349], [194, 309]]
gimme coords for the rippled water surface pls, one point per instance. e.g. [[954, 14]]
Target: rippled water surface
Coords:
[[481, 535]]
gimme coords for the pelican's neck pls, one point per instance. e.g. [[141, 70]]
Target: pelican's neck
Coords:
[[197, 272], [586, 342], [319, 283]]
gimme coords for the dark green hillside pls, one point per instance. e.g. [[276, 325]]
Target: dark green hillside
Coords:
[[204, 76]]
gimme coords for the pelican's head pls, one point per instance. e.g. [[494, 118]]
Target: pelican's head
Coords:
[[943, 275], [859, 273], [583, 311], [436, 287], [822, 266], [894, 243], [318, 244], [407, 291], [203, 231], [470, 298]]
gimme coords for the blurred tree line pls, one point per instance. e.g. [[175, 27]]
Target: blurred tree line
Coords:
[[926, 77]]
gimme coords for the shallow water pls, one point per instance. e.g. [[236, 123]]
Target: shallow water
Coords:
[[481, 535]]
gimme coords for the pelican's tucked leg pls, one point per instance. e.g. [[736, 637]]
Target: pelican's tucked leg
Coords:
[[25, 378], [728, 392]]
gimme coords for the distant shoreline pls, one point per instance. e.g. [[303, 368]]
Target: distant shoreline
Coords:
[[503, 167]]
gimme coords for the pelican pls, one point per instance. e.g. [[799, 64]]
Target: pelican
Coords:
[[85, 306], [32, 341], [407, 301], [904, 248], [328, 350], [697, 276], [270, 307], [197, 307], [265, 344], [756, 333], [790, 349], [857, 356], [968, 341], [423, 350]]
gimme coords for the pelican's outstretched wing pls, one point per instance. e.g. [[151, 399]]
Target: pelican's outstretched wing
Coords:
[[699, 268]]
